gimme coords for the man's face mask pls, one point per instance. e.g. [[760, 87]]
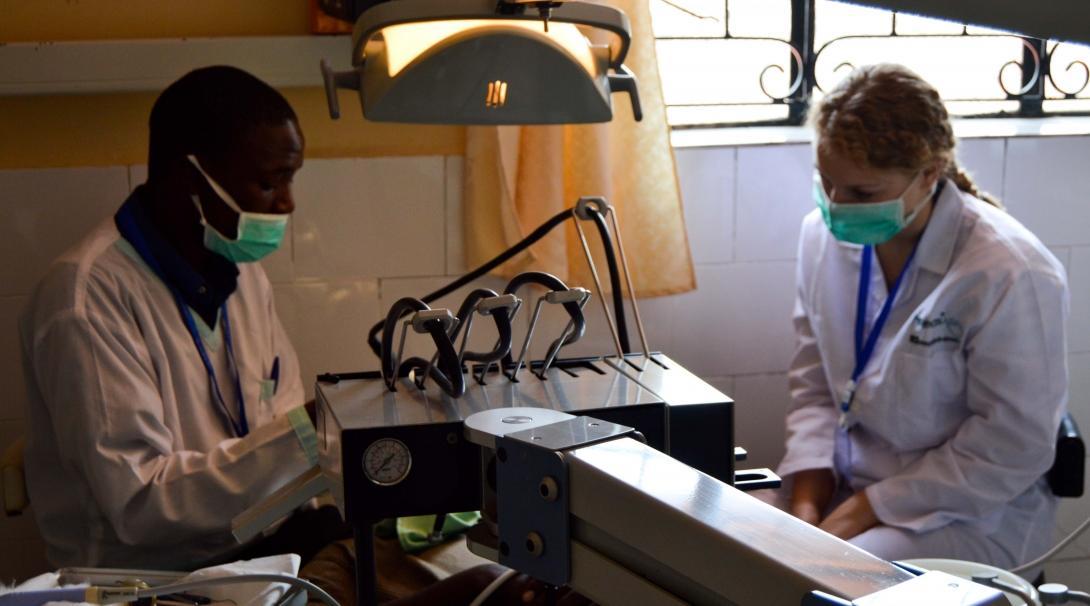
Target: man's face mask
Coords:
[[259, 234], [865, 222]]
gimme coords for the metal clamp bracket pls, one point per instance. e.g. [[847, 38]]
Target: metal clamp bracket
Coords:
[[532, 494]]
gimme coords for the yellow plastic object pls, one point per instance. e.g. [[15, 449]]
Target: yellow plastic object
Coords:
[[13, 494]]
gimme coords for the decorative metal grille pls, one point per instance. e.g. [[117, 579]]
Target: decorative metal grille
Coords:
[[763, 61]]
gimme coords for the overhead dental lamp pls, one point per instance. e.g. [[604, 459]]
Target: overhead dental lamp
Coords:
[[487, 62]]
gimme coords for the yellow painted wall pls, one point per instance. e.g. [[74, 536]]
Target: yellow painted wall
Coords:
[[111, 129], [41, 20], [43, 131]]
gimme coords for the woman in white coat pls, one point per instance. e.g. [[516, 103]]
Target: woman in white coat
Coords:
[[930, 375]]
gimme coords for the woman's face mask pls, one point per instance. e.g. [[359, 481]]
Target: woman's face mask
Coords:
[[866, 222], [258, 235]]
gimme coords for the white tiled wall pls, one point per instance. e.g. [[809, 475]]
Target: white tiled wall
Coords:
[[368, 231]]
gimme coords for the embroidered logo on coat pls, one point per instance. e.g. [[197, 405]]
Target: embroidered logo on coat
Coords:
[[938, 329]]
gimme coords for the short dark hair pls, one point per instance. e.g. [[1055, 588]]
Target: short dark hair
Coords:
[[207, 110]]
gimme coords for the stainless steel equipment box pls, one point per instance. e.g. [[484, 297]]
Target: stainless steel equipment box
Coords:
[[403, 453]]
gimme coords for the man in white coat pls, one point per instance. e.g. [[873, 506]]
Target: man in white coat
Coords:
[[165, 397]]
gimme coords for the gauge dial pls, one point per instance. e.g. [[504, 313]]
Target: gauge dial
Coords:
[[387, 461]]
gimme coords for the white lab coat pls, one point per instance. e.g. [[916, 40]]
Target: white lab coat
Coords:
[[129, 461], [959, 405]]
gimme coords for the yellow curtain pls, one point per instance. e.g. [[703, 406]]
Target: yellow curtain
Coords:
[[516, 177]]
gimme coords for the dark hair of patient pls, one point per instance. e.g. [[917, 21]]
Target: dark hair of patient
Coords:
[[207, 111]]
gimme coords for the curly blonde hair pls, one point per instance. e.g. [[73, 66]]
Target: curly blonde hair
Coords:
[[887, 117]]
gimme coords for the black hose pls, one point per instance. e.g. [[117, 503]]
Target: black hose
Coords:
[[398, 310], [537, 234], [614, 278]]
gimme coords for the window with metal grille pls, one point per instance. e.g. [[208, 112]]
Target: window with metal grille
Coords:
[[731, 62]]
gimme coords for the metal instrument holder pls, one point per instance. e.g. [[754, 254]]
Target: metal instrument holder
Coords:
[[489, 306], [584, 210], [576, 295], [419, 322]]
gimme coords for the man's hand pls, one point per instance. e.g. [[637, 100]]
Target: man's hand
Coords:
[[813, 489], [851, 518]]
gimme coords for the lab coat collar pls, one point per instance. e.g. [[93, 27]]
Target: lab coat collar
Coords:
[[205, 294], [936, 247]]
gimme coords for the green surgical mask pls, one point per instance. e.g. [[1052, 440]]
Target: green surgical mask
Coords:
[[864, 222], [259, 234]]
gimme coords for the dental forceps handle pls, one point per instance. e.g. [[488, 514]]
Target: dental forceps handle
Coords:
[[578, 213], [552, 283], [612, 212], [554, 349], [511, 320], [529, 337]]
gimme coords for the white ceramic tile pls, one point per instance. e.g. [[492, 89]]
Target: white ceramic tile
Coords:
[[774, 194], [1073, 573], [1078, 280], [11, 360], [1073, 512], [369, 218], [760, 404], [44, 212], [138, 174], [483, 334], [1047, 187], [327, 322], [22, 559], [1078, 367], [706, 176], [456, 253], [738, 321], [983, 160], [279, 266]]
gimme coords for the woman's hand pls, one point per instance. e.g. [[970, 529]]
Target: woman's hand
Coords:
[[813, 488], [851, 518]]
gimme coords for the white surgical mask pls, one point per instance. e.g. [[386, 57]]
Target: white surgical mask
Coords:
[[259, 234], [866, 222]]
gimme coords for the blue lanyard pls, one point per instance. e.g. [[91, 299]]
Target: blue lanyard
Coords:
[[241, 426], [128, 226], [864, 344]]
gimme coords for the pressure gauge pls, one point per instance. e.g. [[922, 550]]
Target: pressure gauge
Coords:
[[387, 461]]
